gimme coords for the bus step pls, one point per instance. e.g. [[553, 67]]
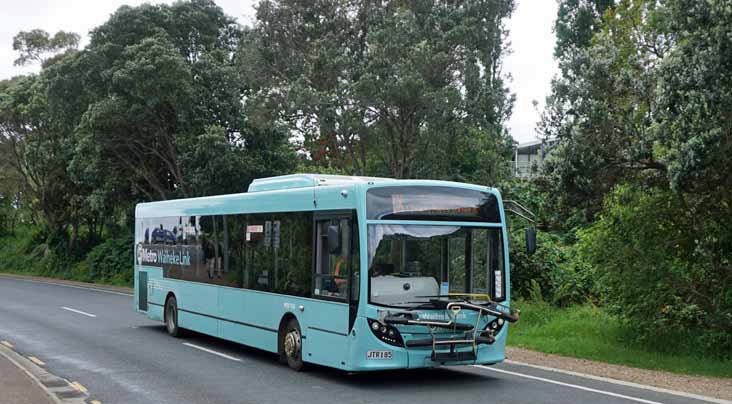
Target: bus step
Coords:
[[453, 356]]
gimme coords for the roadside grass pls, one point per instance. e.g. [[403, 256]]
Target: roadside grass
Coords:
[[588, 332]]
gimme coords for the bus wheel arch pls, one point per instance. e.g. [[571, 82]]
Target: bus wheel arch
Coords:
[[289, 340]]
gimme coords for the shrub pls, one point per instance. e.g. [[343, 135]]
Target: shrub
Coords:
[[660, 270], [554, 273], [111, 261]]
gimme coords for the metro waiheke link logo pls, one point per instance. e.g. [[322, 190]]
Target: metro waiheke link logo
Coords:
[[162, 256]]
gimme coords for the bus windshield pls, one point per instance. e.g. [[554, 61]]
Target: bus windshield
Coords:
[[409, 264]]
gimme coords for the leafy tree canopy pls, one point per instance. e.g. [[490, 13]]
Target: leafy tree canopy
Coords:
[[37, 45], [386, 88]]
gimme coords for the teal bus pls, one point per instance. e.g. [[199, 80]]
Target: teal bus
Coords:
[[354, 273]]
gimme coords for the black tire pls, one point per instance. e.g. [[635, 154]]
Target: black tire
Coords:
[[171, 317], [292, 346]]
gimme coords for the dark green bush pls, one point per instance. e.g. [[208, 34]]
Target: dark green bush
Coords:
[[555, 269], [111, 261], [662, 266]]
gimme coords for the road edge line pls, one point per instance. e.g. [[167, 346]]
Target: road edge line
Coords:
[[621, 382], [570, 385], [58, 282], [37, 374], [212, 352], [77, 311]]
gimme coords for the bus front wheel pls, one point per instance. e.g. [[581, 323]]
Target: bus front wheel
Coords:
[[171, 317], [292, 345]]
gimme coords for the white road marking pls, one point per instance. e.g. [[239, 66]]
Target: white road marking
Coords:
[[211, 351], [78, 311], [623, 383], [574, 386], [79, 387], [67, 286], [37, 361]]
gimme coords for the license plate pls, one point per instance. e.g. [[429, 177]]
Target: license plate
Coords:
[[383, 355]]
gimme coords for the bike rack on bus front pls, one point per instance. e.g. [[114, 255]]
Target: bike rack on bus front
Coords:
[[479, 336]]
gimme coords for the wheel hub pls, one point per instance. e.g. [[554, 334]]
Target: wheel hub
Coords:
[[292, 343]]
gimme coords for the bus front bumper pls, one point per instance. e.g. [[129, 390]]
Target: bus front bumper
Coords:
[[369, 353]]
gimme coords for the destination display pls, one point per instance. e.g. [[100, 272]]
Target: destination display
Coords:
[[431, 203]]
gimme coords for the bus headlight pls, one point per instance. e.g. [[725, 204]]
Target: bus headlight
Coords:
[[494, 327], [386, 333]]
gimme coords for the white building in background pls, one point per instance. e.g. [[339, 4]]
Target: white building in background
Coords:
[[528, 158]]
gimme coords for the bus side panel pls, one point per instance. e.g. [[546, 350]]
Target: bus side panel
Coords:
[[197, 304], [325, 348], [254, 318], [326, 331]]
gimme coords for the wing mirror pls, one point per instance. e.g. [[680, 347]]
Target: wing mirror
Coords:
[[530, 234]]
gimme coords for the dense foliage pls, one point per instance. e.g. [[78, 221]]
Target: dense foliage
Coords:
[[393, 88], [655, 272], [151, 109], [640, 171], [172, 101]]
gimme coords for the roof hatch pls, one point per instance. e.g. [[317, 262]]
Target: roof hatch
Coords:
[[305, 181]]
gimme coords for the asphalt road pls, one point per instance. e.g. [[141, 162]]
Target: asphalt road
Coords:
[[122, 357]]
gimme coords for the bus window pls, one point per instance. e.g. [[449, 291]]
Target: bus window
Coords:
[[293, 237], [409, 264], [260, 262], [333, 269], [214, 243]]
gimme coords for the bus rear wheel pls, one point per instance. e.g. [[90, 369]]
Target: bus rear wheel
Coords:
[[292, 345], [171, 317]]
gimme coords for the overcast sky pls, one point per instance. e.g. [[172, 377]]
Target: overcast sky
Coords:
[[531, 64]]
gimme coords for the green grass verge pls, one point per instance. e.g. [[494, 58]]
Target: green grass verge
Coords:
[[588, 332]]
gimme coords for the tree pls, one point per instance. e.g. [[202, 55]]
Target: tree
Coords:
[[38, 46], [577, 22], [160, 76], [131, 117], [136, 130], [643, 150], [40, 150], [600, 107], [380, 88]]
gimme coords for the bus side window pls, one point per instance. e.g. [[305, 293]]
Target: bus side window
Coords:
[[332, 269], [261, 262], [293, 238]]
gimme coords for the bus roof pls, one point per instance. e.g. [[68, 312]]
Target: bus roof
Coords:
[[265, 195], [307, 181]]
